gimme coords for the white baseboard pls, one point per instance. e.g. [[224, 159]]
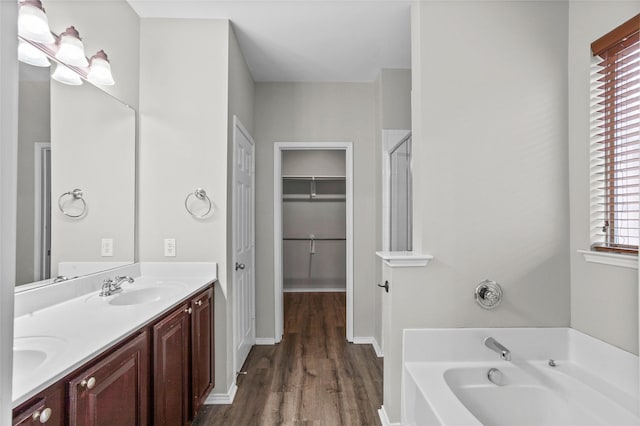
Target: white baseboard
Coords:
[[222, 398], [315, 290], [384, 419], [265, 341], [369, 341]]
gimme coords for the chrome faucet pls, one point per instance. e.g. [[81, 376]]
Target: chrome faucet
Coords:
[[110, 286], [107, 288], [495, 346], [117, 281]]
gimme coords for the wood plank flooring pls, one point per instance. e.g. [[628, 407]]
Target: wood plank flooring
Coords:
[[314, 377]]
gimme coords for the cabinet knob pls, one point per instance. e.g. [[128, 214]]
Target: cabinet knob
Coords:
[[188, 310], [88, 383], [42, 416], [199, 303]]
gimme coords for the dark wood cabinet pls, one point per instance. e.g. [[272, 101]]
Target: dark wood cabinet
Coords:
[[114, 390], [171, 368], [202, 374], [183, 363], [160, 375], [47, 407]]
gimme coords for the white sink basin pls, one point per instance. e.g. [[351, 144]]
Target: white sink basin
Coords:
[[31, 352], [141, 291], [142, 295]]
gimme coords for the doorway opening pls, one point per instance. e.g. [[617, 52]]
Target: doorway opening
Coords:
[[313, 223]]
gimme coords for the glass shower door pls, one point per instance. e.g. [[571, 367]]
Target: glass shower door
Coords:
[[400, 193]]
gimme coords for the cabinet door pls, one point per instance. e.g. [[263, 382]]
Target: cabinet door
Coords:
[[45, 408], [171, 368], [202, 376], [113, 391]]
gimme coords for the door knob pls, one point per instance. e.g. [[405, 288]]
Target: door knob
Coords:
[[239, 266], [385, 286]]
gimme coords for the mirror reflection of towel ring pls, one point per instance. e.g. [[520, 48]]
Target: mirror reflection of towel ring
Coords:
[[199, 194], [76, 194]]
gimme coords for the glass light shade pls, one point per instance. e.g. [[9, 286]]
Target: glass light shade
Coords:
[[33, 23], [31, 55], [71, 49], [100, 70], [66, 76]]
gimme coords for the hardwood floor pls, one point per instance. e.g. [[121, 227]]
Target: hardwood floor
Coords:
[[313, 377]]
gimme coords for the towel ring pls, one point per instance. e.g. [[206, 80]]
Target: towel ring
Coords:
[[76, 194], [200, 194]]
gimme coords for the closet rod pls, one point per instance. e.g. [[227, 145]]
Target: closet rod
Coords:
[[315, 239]]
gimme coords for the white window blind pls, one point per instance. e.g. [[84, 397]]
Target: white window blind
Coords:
[[615, 140]]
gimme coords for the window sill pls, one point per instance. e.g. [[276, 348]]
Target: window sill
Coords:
[[404, 259], [613, 259]]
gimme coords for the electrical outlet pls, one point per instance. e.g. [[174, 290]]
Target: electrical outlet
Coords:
[[169, 247], [107, 247]]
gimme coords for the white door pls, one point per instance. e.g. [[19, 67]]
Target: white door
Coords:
[[244, 329]]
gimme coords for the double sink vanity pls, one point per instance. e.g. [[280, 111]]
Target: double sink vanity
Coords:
[[135, 355]]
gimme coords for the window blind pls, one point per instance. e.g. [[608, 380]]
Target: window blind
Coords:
[[615, 139]]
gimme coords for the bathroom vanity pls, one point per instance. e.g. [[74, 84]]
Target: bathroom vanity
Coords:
[[141, 356]]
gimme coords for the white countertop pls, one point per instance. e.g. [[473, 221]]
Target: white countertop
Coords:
[[74, 331]]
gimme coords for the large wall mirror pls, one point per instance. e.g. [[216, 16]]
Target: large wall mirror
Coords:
[[76, 180]]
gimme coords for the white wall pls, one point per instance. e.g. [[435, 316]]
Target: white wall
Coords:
[[187, 104], [393, 111], [183, 146], [8, 179], [491, 188], [604, 299], [93, 146], [317, 112], [395, 86]]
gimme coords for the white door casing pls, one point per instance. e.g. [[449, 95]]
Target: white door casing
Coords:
[[243, 244], [42, 211]]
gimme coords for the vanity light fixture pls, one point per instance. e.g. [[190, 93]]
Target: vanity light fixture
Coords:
[[31, 55], [33, 23], [38, 45], [100, 70], [71, 49], [66, 75]]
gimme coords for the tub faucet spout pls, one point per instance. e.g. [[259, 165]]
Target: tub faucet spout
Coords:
[[495, 346]]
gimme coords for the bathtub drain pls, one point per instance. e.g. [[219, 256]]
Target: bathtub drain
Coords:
[[495, 376]]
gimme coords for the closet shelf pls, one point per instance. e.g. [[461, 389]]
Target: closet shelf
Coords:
[[317, 197], [308, 178], [314, 239]]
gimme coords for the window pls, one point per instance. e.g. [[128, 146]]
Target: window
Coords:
[[615, 139]]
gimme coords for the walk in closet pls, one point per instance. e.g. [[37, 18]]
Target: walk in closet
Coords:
[[314, 220]]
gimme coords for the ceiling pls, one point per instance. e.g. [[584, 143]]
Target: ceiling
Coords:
[[301, 40]]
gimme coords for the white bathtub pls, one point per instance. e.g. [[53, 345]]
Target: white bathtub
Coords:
[[445, 379]]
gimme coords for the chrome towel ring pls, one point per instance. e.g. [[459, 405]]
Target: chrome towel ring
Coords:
[[199, 194], [76, 194]]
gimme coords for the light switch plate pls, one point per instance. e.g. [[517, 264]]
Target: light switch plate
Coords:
[[107, 247], [169, 247]]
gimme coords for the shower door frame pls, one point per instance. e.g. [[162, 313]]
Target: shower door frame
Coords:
[[278, 148]]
